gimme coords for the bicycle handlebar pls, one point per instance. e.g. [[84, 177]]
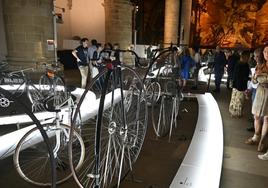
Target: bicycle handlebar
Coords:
[[21, 71], [117, 50], [171, 48], [137, 58]]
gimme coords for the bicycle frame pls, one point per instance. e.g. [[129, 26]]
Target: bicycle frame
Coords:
[[113, 67], [19, 82], [116, 129], [57, 121]]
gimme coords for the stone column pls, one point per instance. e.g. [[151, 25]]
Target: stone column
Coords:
[[118, 22], [172, 9], [185, 24], [28, 24], [3, 47]]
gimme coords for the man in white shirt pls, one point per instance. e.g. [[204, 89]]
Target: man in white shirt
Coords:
[[197, 59]]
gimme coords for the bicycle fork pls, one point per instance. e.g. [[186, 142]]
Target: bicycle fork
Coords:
[[98, 132]]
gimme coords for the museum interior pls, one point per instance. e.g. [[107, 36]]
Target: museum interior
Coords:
[[134, 93]]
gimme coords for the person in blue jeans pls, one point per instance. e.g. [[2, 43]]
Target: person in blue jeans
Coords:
[[186, 64]]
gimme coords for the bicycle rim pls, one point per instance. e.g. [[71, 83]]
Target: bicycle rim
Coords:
[[153, 91], [45, 85], [31, 159], [59, 91], [119, 144], [163, 115]]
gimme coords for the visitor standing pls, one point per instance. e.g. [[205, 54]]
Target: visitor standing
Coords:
[[260, 105], [219, 64], [240, 80], [82, 58]]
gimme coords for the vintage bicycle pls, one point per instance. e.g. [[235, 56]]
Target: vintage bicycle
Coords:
[[114, 134], [31, 159], [163, 76]]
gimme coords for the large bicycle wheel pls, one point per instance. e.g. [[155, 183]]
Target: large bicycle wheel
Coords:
[[122, 128], [31, 158]]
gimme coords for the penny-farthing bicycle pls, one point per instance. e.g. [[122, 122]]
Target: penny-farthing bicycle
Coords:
[[165, 89], [114, 134]]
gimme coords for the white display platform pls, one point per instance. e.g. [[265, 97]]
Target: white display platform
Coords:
[[202, 164], [205, 77], [155, 73]]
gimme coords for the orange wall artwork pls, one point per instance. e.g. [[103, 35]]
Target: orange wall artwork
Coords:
[[232, 23]]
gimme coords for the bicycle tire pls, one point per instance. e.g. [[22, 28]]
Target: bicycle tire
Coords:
[[59, 90], [165, 116], [18, 92], [31, 156], [119, 147], [35, 97], [161, 116], [45, 85], [153, 91]]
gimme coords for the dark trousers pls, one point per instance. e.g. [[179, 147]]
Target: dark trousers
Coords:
[[218, 77], [229, 82], [196, 71]]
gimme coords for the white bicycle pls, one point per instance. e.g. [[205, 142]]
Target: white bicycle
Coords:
[[31, 158]]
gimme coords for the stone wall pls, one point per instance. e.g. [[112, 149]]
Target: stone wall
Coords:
[[3, 48], [28, 24], [118, 25], [172, 9], [185, 24], [118, 22]]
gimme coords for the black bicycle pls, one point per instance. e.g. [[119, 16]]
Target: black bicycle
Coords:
[[163, 82], [115, 105]]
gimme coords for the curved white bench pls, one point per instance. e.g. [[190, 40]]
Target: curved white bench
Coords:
[[202, 164]]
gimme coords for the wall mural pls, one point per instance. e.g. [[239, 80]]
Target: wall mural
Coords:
[[231, 23]]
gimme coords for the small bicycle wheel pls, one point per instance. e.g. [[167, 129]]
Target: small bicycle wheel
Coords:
[[45, 85], [153, 91], [31, 158], [162, 116], [59, 91], [35, 97], [173, 90], [122, 129]]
